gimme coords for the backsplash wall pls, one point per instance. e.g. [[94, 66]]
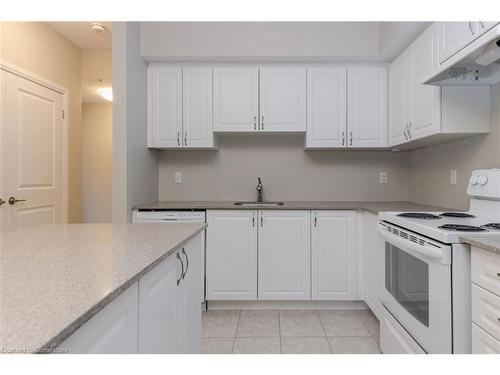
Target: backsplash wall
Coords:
[[429, 168], [288, 172]]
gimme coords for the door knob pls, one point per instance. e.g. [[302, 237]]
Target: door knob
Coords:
[[2, 201], [13, 200]]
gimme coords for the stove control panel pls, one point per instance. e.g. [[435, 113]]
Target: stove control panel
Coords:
[[484, 183]]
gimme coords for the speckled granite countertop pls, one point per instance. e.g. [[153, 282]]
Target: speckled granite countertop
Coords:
[[53, 278], [490, 242], [371, 206]]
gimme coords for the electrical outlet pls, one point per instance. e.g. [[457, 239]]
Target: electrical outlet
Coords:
[[453, 176], [384, 178], [178, 177]]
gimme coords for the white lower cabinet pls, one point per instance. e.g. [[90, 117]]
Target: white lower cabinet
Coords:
[[373, 263], [113, 330], [160, 313], [231, 255], [333, 254], [284, 255]]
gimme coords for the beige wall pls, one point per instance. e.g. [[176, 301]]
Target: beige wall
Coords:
[[97, 130], [429, 168], [35, 47], [288, 172]]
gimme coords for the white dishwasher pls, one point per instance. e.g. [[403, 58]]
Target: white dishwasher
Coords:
[[166, 216]]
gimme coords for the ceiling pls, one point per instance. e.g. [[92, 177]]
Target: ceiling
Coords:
[[81, 33]]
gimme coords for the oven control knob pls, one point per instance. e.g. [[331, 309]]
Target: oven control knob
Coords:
[[482, 180], [473, 180]]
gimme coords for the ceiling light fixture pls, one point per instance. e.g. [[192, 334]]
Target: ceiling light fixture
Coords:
[[98, 28]]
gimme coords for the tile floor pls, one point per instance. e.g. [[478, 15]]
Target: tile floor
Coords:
[[290, 332]]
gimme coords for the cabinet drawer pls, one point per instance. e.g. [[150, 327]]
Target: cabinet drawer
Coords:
[[483, 343], [486, 310], [485, 270]]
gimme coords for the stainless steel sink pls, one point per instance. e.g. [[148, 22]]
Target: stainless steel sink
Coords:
[[258, 204]]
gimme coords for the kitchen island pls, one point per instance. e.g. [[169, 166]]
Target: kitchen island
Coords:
[[55, 278]]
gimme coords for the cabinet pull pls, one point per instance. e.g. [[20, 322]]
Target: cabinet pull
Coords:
[[315, 221], [253, 221], [187, 263], [409, 131], [498, 274], [178, 139], [470, 28], [185, 138], [254, 122], [482, 24], [261, 221], [350, 134], [182, 269], [262, 122], [405, 134], [343, 139]]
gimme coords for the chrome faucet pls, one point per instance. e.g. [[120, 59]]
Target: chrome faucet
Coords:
[[260, 189]]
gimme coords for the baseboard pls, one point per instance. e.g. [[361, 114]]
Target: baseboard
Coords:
[[286, 305]]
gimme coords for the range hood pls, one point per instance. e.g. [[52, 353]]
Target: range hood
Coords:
[[476, 64]]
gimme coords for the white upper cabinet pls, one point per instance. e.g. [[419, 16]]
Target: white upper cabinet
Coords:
[[453, 36], [282, 99], [164, 106], [397, 102], [236, 99], [231, 255], [284, 255], [326, 107], [367, 107], [197, 107], [179, 107], [333, 253]]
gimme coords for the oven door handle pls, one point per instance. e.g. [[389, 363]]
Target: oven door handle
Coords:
[[427, 251]]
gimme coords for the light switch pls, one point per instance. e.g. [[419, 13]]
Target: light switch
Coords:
[[384, 178], [178, 177], [453, 176]]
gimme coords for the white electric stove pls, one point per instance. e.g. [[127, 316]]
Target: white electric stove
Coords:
[[426, 289]]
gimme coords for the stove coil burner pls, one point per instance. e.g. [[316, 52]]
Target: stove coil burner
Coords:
[[492, 226], [419, 215], [462, 228], [456, 214]]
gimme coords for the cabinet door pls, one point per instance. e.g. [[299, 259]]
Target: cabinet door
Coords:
[[158, 308], [373, 263], [231, 255], [326, 107], [189, 307], [425, 119], [397, 105], [453, 36], [197, 108], [284, 255], [164, 106], [236, 99], [334, 255], [283, 99], [113, 330], [367, 106]]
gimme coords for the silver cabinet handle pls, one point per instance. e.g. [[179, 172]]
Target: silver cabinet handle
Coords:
[[185, 138], [343, 139], [350, 134], [409, 131], [470, 28], [315, 221], [482, 24], [178, 138], [498, 274], [254, 122], [187, 263], [253, 221], [262, 122], [182, 269], [404, 133], [261, 221]]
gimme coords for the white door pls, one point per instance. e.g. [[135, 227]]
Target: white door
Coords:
[[333, 253], [236, 99], [426, 98], [231, 255], [397, 115], [164, 106], [284, 255], [453, 36], [158, 308], [113, 330], [197, 107], [326, 107], [31, 154], [367, 106], [283, 99]]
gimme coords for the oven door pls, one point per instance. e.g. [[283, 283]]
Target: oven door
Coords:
[[417, 286]]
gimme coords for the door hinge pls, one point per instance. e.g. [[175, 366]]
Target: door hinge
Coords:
[[63, 114]]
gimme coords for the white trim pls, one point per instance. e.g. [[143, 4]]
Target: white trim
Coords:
[[287, 305], [23, 73]]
